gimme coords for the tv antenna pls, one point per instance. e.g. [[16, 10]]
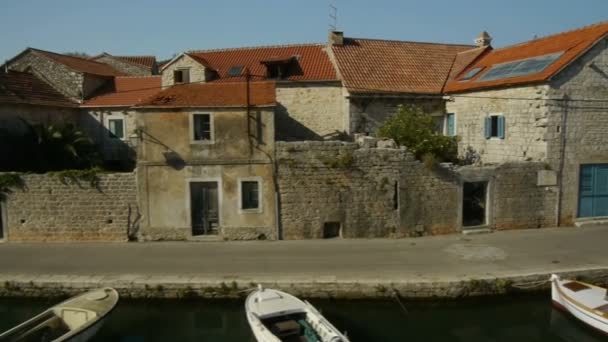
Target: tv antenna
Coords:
[[333, 17]]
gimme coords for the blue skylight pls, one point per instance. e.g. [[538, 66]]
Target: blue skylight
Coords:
[[235, 71], [521, 67], [471, 74]]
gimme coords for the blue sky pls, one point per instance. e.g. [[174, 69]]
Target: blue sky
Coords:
[[165, 27]]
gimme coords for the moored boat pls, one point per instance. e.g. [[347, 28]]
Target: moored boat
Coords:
[[584, 301], [76, 319], [276, 316]]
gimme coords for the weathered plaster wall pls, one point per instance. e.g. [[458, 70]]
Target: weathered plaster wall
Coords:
[[368, 113], [310, 110], [525, 123], [94, 121], [586, 122], [322, 182], [65, 80], [125, 67], [232, 155], [197, 71], [46, 209]]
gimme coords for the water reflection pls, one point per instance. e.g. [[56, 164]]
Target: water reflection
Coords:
[[495, 319]]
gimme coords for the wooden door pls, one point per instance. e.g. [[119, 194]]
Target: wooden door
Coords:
[[204, 207], [593, 190]]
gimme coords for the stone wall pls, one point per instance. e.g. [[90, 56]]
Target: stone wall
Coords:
[[94, 122], [65, 80], [198, 73], [385, 192], [125, 67], [308, 111], [368, 113], [47, 209], [525, 124]]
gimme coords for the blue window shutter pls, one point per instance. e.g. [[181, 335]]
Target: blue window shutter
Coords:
[[501, 127], [450, 123], [488, 127]]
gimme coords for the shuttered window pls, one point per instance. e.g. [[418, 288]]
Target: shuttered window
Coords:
[[494, 127], [201, 127], [450, 128], [116, 127]]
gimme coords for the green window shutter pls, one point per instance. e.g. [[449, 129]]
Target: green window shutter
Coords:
[[450, 125], [488, 127], [501, 127]]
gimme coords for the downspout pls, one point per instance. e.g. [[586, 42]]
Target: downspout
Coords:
[[248, 111], [562, 154]]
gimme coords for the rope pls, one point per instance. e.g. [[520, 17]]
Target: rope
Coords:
[[396, 296]]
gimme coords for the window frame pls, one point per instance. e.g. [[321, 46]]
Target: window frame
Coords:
[[185, 77], [260, 208], [488, 123], [211, 129], [446, 126], [112, 117]]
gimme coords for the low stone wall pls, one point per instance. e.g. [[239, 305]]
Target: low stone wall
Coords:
[[48, 208], [363, 192]]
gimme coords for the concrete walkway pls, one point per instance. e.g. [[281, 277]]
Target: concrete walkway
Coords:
[[525, 254]]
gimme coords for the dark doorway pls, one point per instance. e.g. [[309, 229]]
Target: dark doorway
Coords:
[[1, 222], [331, 230], [204, 208], [474, 203]]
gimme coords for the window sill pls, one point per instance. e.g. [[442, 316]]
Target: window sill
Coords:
[[202, 142], [251, 211]]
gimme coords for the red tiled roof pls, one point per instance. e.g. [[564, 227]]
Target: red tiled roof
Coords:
[[81, 64], [384, 66], [126, 91], [147, 61], [22, 87], [214, 94], [464, 58], [313, 63], [571, 43]]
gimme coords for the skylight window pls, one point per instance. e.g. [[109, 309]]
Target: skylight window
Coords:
[[472, 73], [521, 67], [235, 71]]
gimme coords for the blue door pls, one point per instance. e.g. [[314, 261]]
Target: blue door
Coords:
[[593, 190]]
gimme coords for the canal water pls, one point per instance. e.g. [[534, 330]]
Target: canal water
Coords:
[[526, 318]]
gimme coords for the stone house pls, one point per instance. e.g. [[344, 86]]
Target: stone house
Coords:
[[205, 162], [543, 100], [130, 65]]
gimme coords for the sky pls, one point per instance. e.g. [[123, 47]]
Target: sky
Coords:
[[167, 27]]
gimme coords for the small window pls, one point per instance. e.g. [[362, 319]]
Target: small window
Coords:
[[116, 128], [235, 71], [450, 125], [250, 195], [472, 73], [181, 76], [201, 129], [495, 127], [277, 71]]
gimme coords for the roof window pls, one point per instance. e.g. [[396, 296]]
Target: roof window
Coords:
[[235, 71], [471, 73], [521, 67]]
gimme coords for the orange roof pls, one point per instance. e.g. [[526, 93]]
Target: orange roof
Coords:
[[81, 64], [571, 43], [214, 94], [126, 91], [386, 66], [313, 63], [23, 87], [464, 58], [146, 61]]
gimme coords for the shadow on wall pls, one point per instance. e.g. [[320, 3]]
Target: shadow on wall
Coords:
[[289, 129], [116, 153]]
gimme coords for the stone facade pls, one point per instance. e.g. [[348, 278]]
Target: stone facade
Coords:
[[94, 121], [367, 114], [310, 111], [198, 73], [50, 209], [169, 161], [126, 67], [384, 192]]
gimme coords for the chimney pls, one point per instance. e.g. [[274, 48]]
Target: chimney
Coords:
[[484, 39], [336, 38]]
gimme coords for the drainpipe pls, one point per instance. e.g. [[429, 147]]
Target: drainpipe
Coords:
[[248, 110], [562, 154]]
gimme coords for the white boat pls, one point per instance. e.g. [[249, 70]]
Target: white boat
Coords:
[[584, 301], [276, 316], [76, 319]]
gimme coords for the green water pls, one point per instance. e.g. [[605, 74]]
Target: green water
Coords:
[[495, 319]]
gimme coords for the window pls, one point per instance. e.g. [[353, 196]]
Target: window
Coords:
[[116, 128], [495, 127], [277, 70], [450, 125], [520, 67], [235, 71], [181, 76], [472, 73], [201, 127], [250, 195]]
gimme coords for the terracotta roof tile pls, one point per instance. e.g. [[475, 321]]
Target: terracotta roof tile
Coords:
[[81, 64], [147, 61], [465, 58], [214, 94], [22, 87], [313, 63], [384, 66], [571, 43], [126, 91]]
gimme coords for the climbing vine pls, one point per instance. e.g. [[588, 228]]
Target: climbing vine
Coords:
[[9, 181], [76, 176]]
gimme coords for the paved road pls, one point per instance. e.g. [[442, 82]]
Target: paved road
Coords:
[[429, 258]]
